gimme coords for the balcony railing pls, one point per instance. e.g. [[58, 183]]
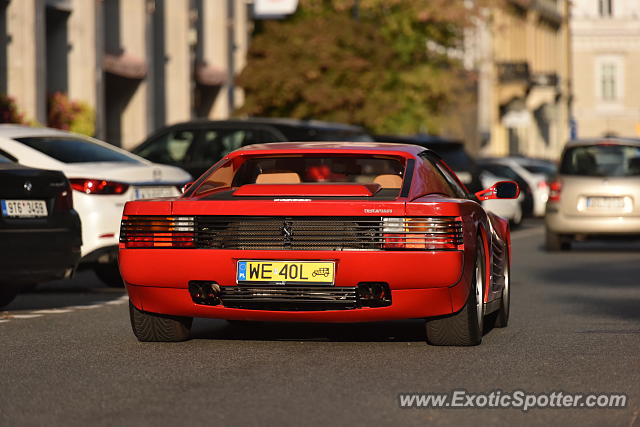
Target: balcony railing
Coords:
[[513, 72], [544, 79]]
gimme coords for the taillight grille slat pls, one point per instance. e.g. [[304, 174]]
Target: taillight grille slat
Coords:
[[157, 232], [293, 233]]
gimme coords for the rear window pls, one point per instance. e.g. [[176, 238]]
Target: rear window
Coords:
[[295, 169], [548, 171], [75, 150], [502, 171], [601, 160]]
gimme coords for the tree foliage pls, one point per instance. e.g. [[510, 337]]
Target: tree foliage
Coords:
[[75, 116], [392, 70], [9, 111]]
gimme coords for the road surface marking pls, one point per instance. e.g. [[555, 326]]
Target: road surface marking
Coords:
[[87, 307], [7, 316], [52, 311]]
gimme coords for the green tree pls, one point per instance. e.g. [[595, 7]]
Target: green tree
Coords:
[[392, 70]]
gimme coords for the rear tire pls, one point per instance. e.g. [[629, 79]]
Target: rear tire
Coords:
[[465, 327], [8, 292], [109, 274], [554, 242], [152, 327]]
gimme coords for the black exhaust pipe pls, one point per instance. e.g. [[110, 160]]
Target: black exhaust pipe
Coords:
[[204, 293], [374, 294]]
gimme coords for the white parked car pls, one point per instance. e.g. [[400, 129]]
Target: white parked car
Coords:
[[510, 209], [535, 173], [104, 177]]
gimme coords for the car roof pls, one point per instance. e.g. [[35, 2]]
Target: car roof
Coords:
[[337, 146], [21, 131], [420, 139], [272, 121], [14, 132], [594, 141], [302, 123]]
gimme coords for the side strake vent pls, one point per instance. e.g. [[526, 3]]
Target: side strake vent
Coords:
[[293, 233]]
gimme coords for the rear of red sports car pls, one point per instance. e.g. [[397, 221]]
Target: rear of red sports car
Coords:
[[293, 232]]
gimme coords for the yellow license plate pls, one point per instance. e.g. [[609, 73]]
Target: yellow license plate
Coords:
[[285, 272]]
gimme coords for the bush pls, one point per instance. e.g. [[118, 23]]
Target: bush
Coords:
[[9, 112], [74, 116]]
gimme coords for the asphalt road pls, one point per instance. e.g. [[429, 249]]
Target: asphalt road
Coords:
[[68, 357]]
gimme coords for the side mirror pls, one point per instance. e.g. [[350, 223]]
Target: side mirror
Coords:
[[500, 190], [186, 187]]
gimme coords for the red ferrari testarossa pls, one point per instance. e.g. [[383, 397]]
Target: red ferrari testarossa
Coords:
[[320, 232]]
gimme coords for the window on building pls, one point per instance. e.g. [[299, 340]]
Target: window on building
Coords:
[[605, 7], [57, 48], [4, 41], [608, 81]]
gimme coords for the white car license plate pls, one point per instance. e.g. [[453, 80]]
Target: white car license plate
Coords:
[[24, 208], [605, 202], [153, 192]]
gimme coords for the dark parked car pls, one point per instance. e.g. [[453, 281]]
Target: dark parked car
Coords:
[[39, 229], [196, 145], [451, 151]]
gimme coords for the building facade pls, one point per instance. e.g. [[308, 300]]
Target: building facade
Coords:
[[521, 52], [140, 64], [606, 54]]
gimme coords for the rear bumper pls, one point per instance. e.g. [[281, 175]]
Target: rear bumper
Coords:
[[174, 268], [406, 304], [422, 284], [37, 255], [560, 223]]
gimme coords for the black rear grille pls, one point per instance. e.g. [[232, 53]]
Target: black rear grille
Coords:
[[301, 298], [311, 233], [288, 233]]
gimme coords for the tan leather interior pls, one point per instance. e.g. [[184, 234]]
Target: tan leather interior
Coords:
[[388, 181], [278, 178]]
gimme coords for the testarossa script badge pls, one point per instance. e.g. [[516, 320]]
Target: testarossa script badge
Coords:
[[375, 211]]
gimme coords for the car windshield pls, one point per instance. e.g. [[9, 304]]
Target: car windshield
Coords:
[[540, 169], [298, 169], [602, 160], [75, 150]]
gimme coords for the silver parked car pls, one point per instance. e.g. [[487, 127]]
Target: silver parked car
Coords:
[[596, 192], [535, 172]]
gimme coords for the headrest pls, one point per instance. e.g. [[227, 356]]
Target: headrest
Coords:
[[388, 181], [278, 178]]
